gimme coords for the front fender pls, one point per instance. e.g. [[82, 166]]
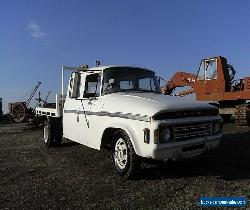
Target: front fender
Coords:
[[134, 131]]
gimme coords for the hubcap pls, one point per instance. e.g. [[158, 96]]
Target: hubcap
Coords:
[[121, 153]]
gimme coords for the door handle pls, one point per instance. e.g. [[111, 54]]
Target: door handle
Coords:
[[78, 111], [77, 116]]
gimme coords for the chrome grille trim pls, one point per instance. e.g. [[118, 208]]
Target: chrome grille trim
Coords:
[[182, 132]]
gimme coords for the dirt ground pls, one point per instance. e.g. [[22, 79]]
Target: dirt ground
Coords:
[[75, 177]]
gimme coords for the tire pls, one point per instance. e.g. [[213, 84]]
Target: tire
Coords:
[[126, 162], [52, 132]]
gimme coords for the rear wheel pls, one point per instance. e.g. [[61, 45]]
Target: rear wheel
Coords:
[[126, 162], [52, 132]]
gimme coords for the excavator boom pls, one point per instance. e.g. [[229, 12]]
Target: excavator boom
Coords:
[[179, 79]]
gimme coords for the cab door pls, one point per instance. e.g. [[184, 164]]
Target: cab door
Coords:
[[89, 91]]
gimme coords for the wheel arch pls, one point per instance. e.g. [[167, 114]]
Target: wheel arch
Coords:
[[108, 134]]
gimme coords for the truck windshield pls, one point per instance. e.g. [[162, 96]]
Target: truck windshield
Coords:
[[124, 79]]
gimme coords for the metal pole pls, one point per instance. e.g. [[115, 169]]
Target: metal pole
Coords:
[[62, 85]]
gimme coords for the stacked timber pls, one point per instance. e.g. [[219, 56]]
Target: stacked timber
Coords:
[[242, 117]]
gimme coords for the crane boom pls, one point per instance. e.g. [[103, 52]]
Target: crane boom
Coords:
[[32, 94], [45, 100]]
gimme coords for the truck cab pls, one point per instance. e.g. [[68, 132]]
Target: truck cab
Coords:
[[121, 109]]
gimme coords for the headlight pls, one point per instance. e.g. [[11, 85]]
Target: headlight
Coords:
[[165, 135], [216, 128]]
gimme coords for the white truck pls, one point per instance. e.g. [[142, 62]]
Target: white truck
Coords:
[[121, 109]]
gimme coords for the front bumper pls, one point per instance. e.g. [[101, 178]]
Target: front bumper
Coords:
[[185, 149]]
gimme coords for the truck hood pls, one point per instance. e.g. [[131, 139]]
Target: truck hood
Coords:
[[149, 103]]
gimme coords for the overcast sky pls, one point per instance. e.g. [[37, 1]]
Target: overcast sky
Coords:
[[37, 37]]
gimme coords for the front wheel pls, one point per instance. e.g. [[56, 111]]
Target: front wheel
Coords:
[[125, 160]]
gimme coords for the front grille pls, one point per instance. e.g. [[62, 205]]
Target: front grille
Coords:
[[182, 132]]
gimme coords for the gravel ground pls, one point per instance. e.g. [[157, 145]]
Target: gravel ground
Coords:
[[76, 177]]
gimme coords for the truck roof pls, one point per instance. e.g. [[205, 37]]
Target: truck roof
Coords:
[[101, 68]]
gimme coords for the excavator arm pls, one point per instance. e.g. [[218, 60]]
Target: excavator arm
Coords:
[[180, 79]]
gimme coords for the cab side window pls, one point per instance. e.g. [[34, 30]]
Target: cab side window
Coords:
[[73, 86], [92, 85], [70, 86]]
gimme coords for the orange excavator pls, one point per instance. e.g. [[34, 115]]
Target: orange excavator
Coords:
[[215, 82]]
